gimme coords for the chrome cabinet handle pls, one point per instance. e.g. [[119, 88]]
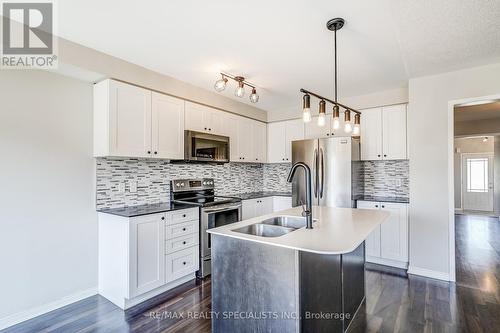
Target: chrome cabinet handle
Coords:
[[315, 173], [322, 163]]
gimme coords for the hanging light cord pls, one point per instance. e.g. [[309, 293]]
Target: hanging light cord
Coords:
[[335, 56]]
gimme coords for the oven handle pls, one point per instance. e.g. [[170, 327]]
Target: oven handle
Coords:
[[221, 209]]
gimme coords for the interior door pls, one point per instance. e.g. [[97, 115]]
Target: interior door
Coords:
[[477, 182], [305, 151], [334, 172]]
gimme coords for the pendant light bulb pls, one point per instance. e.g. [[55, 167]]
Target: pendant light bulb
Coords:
[[322, 113], [220, 84], [254, 97], [306, 108], [336, 117], [240, 91], [356, 128], [347, 120]]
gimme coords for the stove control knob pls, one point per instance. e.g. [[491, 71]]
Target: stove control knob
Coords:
[[204, 183], [182, 184], [178, 184]]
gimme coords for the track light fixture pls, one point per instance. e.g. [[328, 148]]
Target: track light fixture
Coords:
[[221, 84], [332, 25]]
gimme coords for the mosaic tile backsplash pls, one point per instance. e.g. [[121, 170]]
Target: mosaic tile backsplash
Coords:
[[377, 178], [153, 179], [386, 178]]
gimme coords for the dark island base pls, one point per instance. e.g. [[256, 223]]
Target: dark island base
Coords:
[[263, 288]]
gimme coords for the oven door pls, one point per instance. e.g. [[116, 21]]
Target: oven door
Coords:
[[206, 147], [213, 217]]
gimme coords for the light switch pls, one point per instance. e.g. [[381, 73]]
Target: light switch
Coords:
[[398, 182], [121, 187], [132, 186]]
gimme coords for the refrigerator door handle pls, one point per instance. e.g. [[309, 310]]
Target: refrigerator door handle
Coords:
[[315, 177], [322, 163]]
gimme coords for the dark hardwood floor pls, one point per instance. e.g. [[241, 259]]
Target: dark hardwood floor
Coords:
[[395, 302]]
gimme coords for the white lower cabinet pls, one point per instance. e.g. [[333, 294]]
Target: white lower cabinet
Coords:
[[141, 257], [388, 243], [281, 203], [261, 206]]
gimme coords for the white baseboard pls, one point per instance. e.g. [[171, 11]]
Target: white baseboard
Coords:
[[19, 317], [429, 273], [387, 262]]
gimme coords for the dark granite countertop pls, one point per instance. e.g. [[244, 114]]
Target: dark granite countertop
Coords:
[[132, 211], [382, 199], [262, 194]]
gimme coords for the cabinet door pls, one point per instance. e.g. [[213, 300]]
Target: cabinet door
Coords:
[[394, 132], [276, 147], [146, 254], [371, 134], [249, 209], [281, 203], [196, 118], [294, 131], [313, 131], [182, 263], [266, 205], [231, 123], [259, 141], [245, 139], [372, 243], [394, 232], [129, 120], [215, 121], [167, 126]]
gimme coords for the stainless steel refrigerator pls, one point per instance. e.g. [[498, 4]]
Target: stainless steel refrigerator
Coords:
[[335, 171]]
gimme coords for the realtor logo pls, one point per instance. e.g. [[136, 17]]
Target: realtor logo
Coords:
[[28, 35]]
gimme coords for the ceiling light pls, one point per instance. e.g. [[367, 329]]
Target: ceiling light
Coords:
[[333, 25], [322, 113], [357, 120], [306, 108], [347, 120], [485, 139], [336, 117], [220, 84], [240, 91], [254, 98]]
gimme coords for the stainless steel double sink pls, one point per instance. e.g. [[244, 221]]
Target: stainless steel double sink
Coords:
[[274, 227]]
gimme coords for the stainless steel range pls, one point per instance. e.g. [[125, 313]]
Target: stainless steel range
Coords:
[[215, 211]]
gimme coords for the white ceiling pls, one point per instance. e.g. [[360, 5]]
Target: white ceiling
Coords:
[[282, 46], [477, 112]]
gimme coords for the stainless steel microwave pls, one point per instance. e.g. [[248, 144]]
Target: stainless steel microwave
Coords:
[[206, 147]]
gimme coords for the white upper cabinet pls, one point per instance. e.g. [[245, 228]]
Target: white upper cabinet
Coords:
[[279, 139], [371, 134], [394, 132], [259, 140], [245, 141], [383, 133], [312, 130], [167, 126], [134, 122], [122, 120], [202, 118]]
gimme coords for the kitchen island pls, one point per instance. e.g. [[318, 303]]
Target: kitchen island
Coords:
[[271, 274]]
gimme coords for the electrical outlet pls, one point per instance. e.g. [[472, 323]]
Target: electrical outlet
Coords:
[[121, 187], [132, 186]]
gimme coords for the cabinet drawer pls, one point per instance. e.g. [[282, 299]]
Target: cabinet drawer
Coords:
[[181, 243], [182, 229], [183, 215], [181, 263]]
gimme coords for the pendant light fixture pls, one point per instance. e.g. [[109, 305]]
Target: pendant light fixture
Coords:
[[332, 25], [220, 85]]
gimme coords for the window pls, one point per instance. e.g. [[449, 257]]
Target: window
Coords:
[[477, 175]]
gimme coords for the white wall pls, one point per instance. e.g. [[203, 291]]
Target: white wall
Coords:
[[430, 126], [48, 237]]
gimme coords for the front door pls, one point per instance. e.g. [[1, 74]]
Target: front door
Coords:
[[477, 182]]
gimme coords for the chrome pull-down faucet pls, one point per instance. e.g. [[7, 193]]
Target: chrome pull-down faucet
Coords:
[[307, 173]]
